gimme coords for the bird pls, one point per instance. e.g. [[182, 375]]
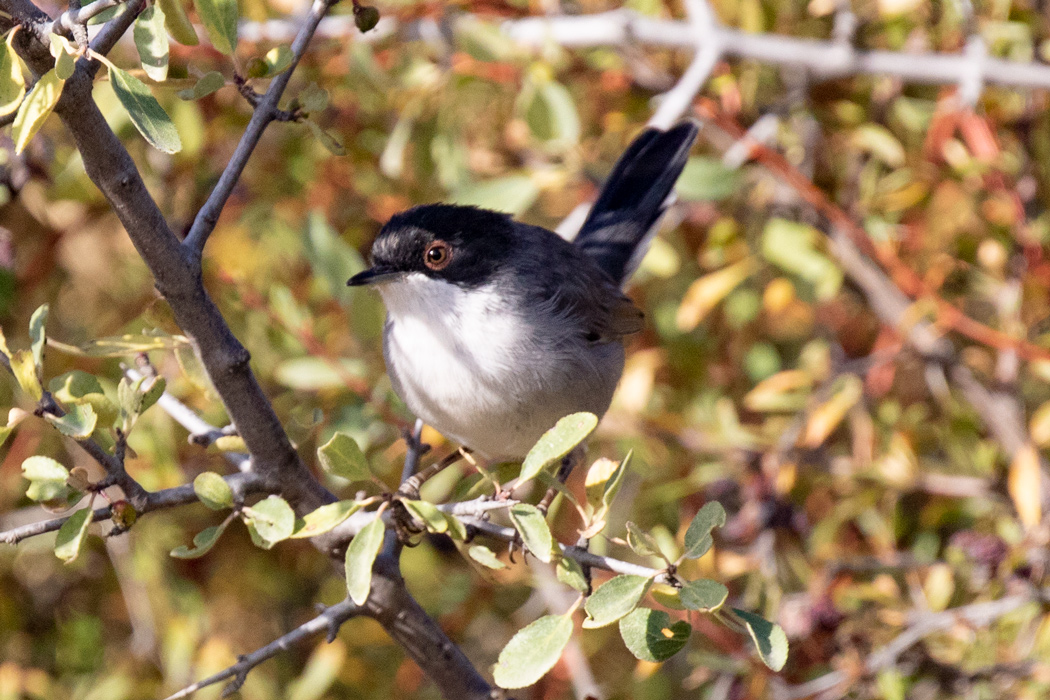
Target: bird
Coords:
[[496, 329]]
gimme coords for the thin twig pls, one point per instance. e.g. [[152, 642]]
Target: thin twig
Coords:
[[329, 621], [265, 112], [674, 103], [241, 484]]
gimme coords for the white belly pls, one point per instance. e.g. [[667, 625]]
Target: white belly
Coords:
[[482, 376]]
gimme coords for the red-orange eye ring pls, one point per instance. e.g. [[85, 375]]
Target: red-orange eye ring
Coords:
[[438, 255]]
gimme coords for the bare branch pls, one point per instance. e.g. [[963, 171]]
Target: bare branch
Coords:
[[77, 16], [674, 103], [329, 621], [265, 112]]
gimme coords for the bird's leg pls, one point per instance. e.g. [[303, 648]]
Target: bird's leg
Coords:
[[568, 462], [410, 488]]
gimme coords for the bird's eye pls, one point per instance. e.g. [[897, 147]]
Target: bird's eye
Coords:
[[437, 255]]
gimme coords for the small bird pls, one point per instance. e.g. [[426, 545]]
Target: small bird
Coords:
[[496, 329]]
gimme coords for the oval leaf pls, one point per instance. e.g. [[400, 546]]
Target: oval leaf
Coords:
[[530, 523], [213, 491], [220, 20], [24, 369], [557, 442], [12, 82], [209, 83], [650, 635], [428, 513], [178, 22], [703, 594], [698, 537], [35, 108], [532, 651], [37, 338], [151, 39], [324, 519], [70, 538], [360, 556], [203, 541], [769, 639], [47, 478], [273, 519], [341, 457], [614, 599], [571, 574], [485, 556], [79, 423], [146, 113]]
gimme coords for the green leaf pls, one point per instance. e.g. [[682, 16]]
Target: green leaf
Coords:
[[151, 39], [428, 513], [698, 537], [706, 180], [570, 573], [612, 486], [313, 98], [37, 337], [146, 113], [152, 395], [650, 636], [24, 369], [78, 423], [178, 22], [220, 21], [213, 491], [791, 246], [614, 599], [47, 478], [202, 542], [324, 519], [341, 457], [557, 442], [208, 83], [317, 373], [64, 53], [278, 59], [512, 194], [769, 639], [35, 109], [532, 651], [703, 594], [70, 538], [12, 82], [530, 523], [641, 541], [330, 142], [73, 386], [272, 518], [550, 112], [360, 556], [129, 344], [456, 529], [230, 443], [485, 556]]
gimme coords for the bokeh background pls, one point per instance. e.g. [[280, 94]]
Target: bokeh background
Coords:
[[864, 490]]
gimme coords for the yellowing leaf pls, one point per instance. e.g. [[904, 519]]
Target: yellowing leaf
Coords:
[[1023, 484], [1039, 425], [825, 418], [779, 392], [12, 82], [705, 293], [35, 108]]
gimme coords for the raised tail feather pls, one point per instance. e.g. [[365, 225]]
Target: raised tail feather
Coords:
[[617, 231]]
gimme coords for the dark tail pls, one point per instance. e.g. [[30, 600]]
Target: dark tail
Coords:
[[634, 197]]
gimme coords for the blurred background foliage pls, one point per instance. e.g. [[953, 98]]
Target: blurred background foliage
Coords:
[[861, 490]]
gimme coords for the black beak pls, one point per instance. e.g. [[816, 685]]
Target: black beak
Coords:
[[373, 275]]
